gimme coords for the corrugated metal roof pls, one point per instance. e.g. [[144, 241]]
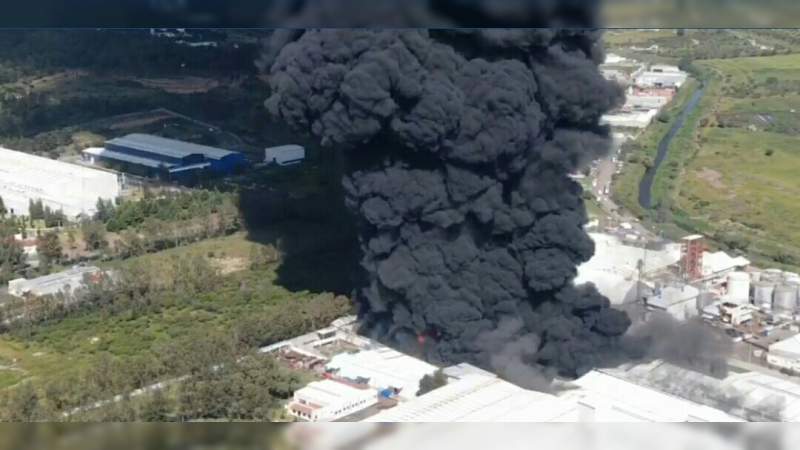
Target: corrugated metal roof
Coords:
[[168, 147], [124, 157], [384, 367]]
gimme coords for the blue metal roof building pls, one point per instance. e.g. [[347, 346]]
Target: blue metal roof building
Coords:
[[176, 158]]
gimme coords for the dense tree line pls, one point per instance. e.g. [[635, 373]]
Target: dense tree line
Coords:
[[52, 218], [30, 52], [12, 257], [167, 207], [205, 377]]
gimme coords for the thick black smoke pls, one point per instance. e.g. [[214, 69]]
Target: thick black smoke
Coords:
[[458, 148]]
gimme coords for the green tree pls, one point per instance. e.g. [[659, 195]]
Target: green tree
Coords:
[[94, 235], [49, 249], [12, 257], [156, 408], [3, 210]]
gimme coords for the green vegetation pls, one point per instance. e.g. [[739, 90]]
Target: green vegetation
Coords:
[[12, 258], [640, 153], [730, 171], [673, 46], [148, 327]]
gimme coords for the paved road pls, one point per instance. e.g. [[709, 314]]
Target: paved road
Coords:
[[601, 181]]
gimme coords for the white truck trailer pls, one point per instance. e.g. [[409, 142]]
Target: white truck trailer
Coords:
[[284, 155]]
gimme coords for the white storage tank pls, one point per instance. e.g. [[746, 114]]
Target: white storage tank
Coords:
[[774, 275], [791, 277], [762, 294], [738, 288], [785, 299]]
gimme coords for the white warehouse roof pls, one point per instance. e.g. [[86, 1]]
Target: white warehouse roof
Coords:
[[69, 187], [789, 347], [613, 267], [595, 397], [67, 280], [384, 367], [478, 398], [169, 147], [747, 393], [717, 262], [617, 400]]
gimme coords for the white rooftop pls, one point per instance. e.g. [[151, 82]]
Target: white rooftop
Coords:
[[619, 400], [594, 397], [614, 266], [479, 398], [716, 262], [744, 393], [671, 295], [384, 367], [787, 347], [329, 392]]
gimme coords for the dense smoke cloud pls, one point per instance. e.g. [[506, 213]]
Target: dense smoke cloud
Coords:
[[458, 149], [687, 343]]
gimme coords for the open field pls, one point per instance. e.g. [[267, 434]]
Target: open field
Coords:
[[668, 45], [736, 162]]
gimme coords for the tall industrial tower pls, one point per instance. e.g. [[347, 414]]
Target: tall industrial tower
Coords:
[[692, 248]]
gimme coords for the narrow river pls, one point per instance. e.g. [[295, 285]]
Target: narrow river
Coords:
[[646, 185]]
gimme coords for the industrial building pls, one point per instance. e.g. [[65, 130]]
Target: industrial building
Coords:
[[748, 395], [629, 119], [480, 398], [617, 268], [150, 155], [328, 400], [595, 397], [66, 282], [678, 300], [383, 368], [785, 354], [70, 188], [652, 78], [718, 264]]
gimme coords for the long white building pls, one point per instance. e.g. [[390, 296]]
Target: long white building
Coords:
[[595, 397], [328, 400], [59, 185]]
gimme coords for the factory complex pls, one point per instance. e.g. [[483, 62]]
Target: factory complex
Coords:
[[648, 89], [152, 156], [362, 380]]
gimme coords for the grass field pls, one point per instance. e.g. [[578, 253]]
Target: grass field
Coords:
[[740, 184]]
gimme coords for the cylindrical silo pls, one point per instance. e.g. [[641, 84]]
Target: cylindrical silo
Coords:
[[784, 299], [773, 275], [791, 277], [762, 294], [738, 288]]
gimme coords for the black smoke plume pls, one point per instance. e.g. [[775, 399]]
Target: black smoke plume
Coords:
[[458, 145]]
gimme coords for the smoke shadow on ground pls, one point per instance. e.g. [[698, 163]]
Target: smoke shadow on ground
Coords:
[[313, 231]]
